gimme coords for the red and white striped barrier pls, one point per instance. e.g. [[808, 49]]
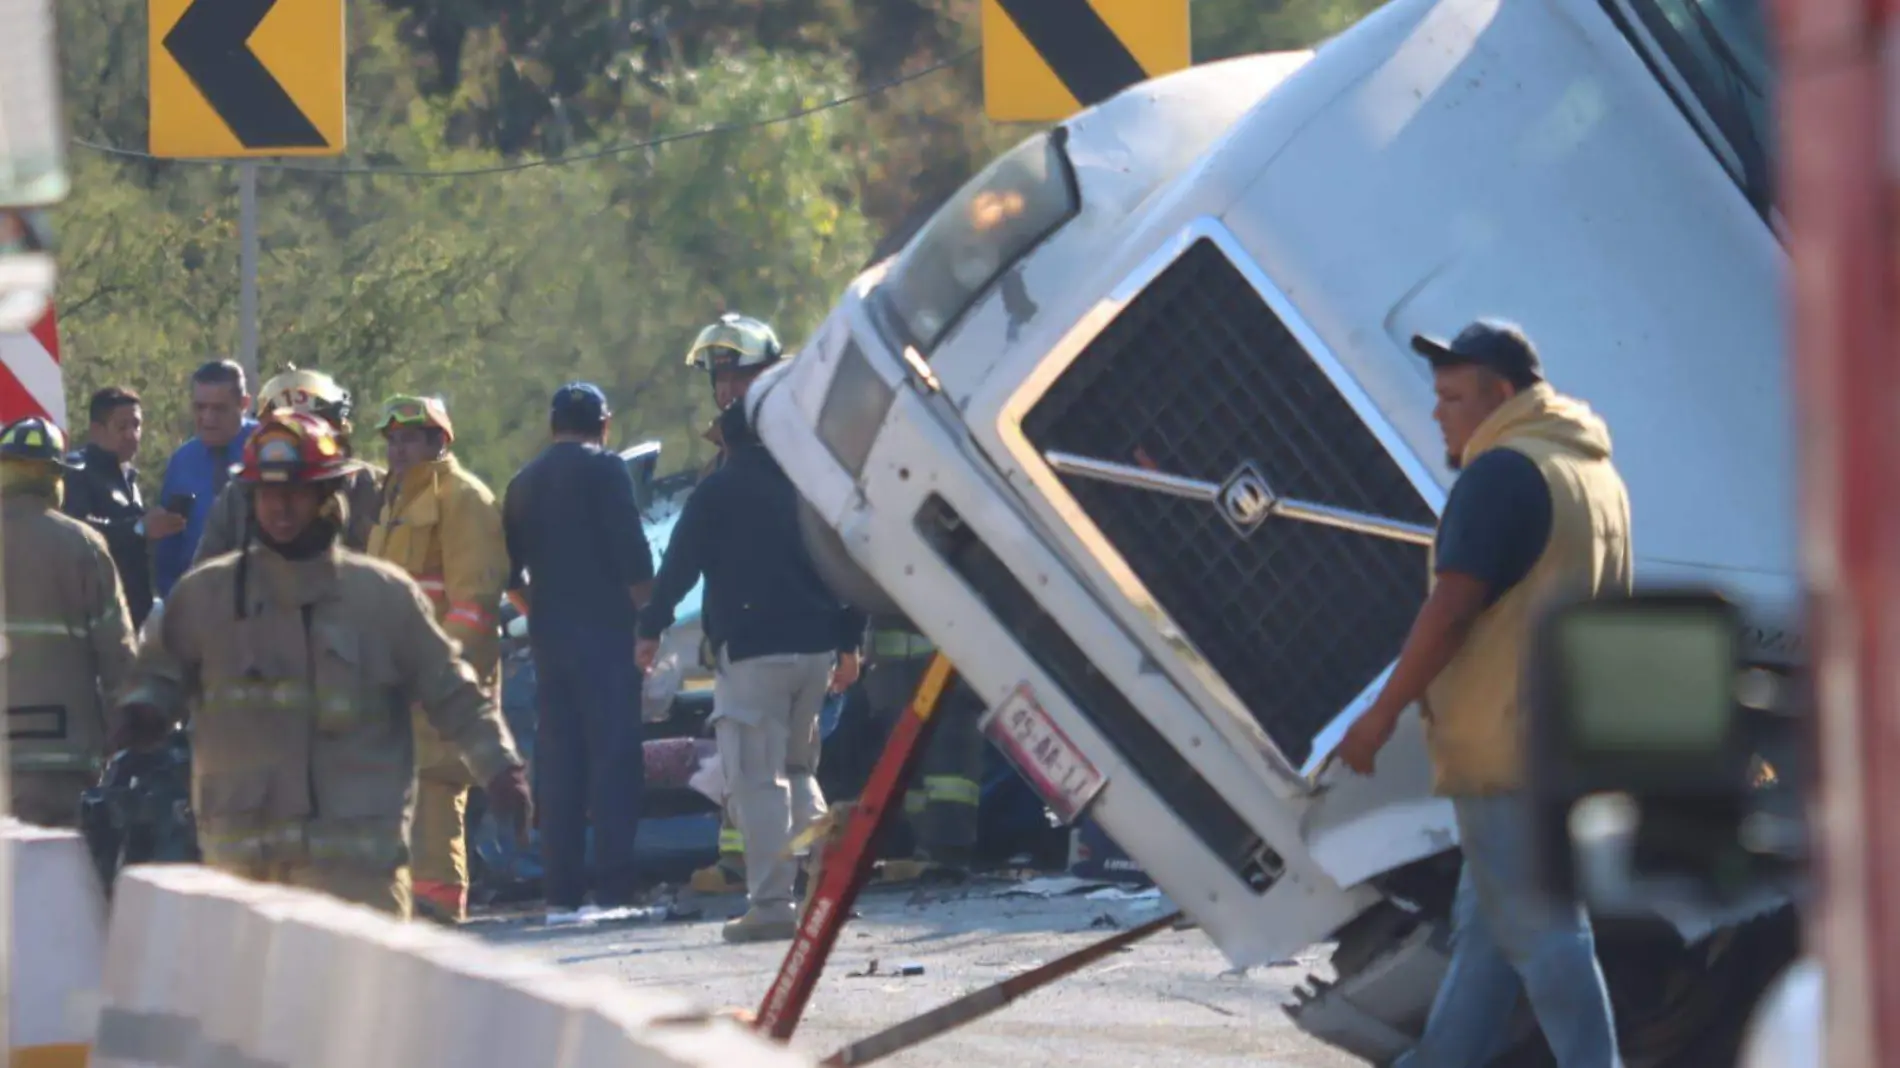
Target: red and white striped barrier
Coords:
[[31, 382]]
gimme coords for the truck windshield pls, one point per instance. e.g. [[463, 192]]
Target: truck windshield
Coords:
[[1718, 53]]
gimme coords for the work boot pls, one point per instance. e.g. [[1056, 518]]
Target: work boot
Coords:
[[901, 871], [435, 912], [778, 924], [718, 878]]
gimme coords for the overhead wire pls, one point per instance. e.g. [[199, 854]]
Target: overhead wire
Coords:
[[716, 130]]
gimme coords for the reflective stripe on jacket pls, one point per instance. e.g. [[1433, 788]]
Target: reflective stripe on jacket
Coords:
[[302, 747], [68, 635]]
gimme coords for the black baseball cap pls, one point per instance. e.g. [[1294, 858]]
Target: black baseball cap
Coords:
[[1496, 346]]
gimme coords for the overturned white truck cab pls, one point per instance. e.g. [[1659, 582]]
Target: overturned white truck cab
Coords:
[[1132, 428]]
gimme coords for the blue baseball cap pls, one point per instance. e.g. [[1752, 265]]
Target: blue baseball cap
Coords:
[[1496, 346], [580, 402]]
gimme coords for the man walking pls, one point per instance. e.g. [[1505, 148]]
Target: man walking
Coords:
[[1537, 514], [781, 639], [102, 490], [577, 548], [198, 471], [440, 524], [298, 662], [68, 640]]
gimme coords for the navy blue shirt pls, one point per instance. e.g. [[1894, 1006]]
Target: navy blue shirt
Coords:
[[574, 528], [1496, 522], [739, 530]]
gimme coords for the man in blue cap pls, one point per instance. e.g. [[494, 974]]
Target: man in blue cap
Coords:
[[581, 568]]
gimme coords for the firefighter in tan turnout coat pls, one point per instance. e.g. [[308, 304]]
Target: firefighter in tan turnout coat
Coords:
[[439, 523], [299, 662], [68, 634]]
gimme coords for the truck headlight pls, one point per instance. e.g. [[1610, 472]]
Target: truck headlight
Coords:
[[1002, 213], [854, 409]]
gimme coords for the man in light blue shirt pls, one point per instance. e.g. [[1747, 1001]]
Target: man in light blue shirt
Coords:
[[220, 403]]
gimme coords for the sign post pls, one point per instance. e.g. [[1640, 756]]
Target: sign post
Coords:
[[240, 79], [1045, 60], [247, 270]]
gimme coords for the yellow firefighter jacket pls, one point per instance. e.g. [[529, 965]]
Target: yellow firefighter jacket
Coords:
[[441, 525], [1472, 724], [68, 634], [224, 527], [302, 749]]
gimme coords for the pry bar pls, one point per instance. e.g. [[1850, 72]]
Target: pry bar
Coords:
[[982, 1002]]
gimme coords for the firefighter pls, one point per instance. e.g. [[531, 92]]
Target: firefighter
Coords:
[[298, 662], [941, 808], [782, 640], [732, 351], [313, 393], [439, 523], [68, 633]]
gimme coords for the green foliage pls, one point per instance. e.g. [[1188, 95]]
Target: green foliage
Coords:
[[493, 289]]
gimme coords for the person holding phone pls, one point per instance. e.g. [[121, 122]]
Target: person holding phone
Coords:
[[198, 471]]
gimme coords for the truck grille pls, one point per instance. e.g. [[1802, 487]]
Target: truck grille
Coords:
[[1196, 377]]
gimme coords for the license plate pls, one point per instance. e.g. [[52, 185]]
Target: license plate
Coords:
[[1052, 763]]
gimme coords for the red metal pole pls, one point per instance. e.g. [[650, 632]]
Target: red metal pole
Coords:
[[1837, 197]]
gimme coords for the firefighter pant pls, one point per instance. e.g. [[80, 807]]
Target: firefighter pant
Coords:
[[438, 836], [589, 767], [438, 845], [49, 798], [943, 801], [765, 719], [382, 890]]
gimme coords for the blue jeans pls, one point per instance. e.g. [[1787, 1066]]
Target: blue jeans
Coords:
[[1507, 938], [588, 763]]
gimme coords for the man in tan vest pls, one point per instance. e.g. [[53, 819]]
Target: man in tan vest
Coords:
[[1538, 513], [441, 524], [68, 634], [298, 662]]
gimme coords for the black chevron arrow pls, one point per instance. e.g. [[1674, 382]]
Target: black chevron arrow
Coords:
[[1078, 46], [209, 44]]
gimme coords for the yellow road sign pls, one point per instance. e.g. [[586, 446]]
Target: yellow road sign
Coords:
[[1045, 60], [236, 78]]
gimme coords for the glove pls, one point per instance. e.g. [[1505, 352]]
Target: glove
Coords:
[[141, 728], [512, 801]]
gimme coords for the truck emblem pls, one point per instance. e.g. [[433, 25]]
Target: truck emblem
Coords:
[[1246, 500]]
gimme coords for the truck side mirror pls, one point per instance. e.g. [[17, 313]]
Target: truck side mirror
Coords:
[[1644, 731]]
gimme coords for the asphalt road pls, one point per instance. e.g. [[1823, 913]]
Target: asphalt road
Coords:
[[1168, 1002]]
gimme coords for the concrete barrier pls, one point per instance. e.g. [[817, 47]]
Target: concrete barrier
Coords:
[[207, 971], [57, 949]]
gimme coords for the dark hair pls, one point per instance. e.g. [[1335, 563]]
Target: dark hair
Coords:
[[577, 422], [220, 373], [109, 400]]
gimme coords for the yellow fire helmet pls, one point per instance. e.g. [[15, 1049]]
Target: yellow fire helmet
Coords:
[[310, 392]]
